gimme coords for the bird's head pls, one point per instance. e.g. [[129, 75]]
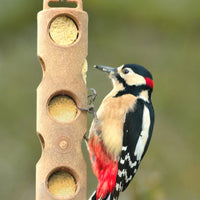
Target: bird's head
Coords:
[[129, 79]]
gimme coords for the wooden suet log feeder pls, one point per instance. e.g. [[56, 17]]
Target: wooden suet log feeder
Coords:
[[62, 51]]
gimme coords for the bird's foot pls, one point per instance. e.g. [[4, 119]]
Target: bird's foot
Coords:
[[90, 108]]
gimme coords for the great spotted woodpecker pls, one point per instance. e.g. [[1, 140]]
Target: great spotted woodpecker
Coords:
[[120, 134]]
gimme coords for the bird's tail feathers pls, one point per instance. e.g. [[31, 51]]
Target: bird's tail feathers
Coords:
[[93, 196], [108, 197]]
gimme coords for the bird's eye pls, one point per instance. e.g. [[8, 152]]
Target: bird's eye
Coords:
[[125, 71]]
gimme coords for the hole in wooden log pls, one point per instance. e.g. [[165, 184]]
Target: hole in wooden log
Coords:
[[41, 140], [42, 63], [62, 183], [62, 108], [63, 30]]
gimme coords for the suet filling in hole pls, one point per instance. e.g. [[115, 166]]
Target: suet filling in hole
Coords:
[[62, 108], [62, 183], [63, 30]]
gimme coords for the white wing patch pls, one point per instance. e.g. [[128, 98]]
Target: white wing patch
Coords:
[[144, 134]]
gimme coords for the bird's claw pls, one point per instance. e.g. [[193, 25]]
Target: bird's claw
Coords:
[[92, 96], [90, 108]]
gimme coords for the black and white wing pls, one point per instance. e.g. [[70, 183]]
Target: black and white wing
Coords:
[[137, 134]]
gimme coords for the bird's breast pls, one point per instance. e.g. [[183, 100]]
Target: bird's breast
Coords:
[[111, 115]]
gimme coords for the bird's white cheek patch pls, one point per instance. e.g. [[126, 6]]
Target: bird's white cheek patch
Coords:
[[134, 79], [144, 134]]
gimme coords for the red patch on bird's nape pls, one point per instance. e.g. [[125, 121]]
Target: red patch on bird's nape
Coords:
[[104, 167], [149, 82]]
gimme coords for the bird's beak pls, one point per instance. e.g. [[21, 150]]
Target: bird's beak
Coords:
[[109, 70]]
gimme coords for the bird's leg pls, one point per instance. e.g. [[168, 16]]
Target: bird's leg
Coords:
[[90, 108]]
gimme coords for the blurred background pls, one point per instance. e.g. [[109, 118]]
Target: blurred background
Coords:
[[163, 36]]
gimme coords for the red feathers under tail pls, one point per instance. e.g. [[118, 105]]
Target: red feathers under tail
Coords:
[[104, 167]]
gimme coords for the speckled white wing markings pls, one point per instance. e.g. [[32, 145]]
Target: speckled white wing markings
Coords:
[[128, 158]]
